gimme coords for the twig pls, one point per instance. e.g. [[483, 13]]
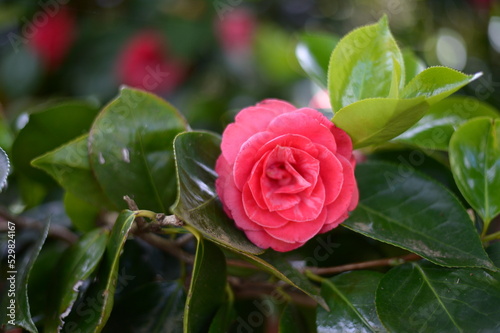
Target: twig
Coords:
[[168, 246], [55, 230], [363, 265]]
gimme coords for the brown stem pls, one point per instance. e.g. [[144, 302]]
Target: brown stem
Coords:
[[55, 230], [168, 246], [363, 265]]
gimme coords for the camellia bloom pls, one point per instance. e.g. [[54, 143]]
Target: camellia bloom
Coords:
[[52, 39], [146, 63], [285, 174]]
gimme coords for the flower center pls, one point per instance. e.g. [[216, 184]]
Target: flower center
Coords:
[[278, 172]]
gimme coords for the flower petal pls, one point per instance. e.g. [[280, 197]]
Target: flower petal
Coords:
[[249, 154], [264, 240], [302, 124], [277, 105], [331, 172], [298, 232], [233, 198], [310, 206], [262, 217], [346, 196], [344, 142]]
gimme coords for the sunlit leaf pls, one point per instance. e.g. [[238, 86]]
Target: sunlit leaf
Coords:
[[475, 163], [366, 63], [437, 83], [435, 129], [377, 120], [131, 151]]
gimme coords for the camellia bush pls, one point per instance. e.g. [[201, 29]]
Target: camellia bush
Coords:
[[376, 214]]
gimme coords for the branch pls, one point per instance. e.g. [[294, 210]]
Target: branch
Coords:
[[55, 230], [363, 265]]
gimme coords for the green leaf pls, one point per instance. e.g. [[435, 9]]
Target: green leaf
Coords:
[[197, 202], [437, 83], [413, 65], [69, 165], [274, 263], [223, 319], [131, 152], [421, 297], [96, 304], [435, 129], [155, 307], [48, 129], [274, 51], [83, 215], [494, 253], [402, 207], [4, 168], [475, 163], [291, 320], [76, 265], [207, 290], [313, 52], [366, 63], [377, 120], [19, 275], [351, 298]]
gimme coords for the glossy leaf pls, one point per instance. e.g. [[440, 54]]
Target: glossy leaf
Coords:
[[274, 263], [197, 202], [366, 63], [69, 165], [19, 272], [421, 297], [291, 320], [76, 265], [223, 319], [435, 129], [475, 163], [48, 129], [131, 152], [437, 83], [494, 253], [377, 120], [313, 52], [413, 65], [155, 307], [96, 304], [207, 290], [351, 298], [83, 215], [401, 207], [4, 168]]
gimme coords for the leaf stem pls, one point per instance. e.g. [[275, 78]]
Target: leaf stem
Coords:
[[490, 237], [486, 225]]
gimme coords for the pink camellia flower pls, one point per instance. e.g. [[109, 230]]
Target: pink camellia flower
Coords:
[[235, 30], [285, 174], [52, 37], [146, 63]]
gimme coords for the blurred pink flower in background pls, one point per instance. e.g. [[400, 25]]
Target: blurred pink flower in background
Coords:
[[320, 100], [53, 37], [146, 63], [235, 30]]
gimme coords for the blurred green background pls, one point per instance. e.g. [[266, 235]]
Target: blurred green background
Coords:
[[211, 58]]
